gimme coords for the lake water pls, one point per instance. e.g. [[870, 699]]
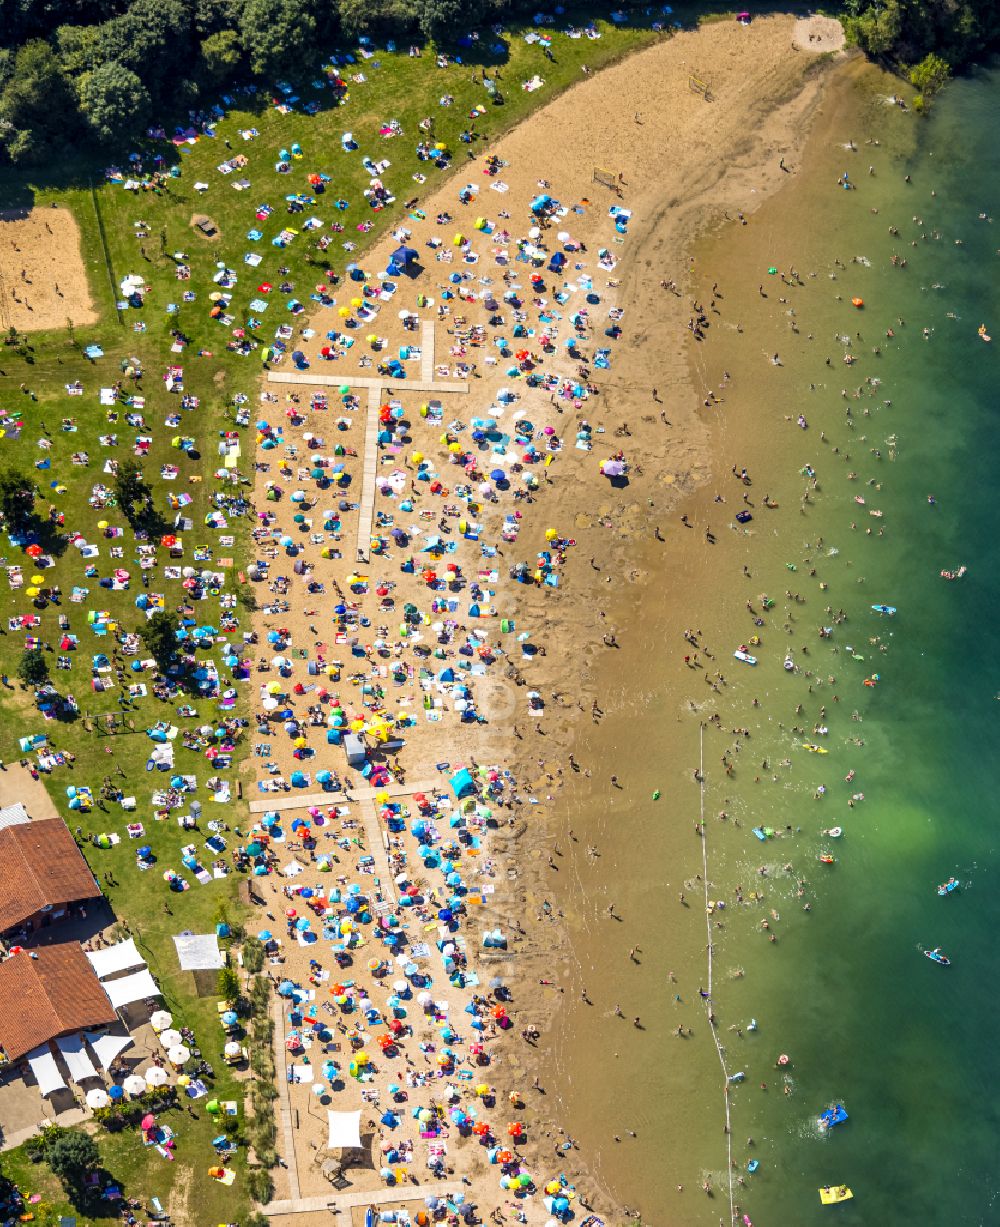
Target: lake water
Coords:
[[905, 1045]]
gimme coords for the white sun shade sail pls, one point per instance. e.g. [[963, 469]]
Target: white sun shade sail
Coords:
[[130, 988], [77, 1059], [42, 1064], [344, 1129], [114, 959]]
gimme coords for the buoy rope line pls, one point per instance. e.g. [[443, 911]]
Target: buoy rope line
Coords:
[[710, 950]]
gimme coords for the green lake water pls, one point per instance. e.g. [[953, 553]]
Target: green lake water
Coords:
[[905, 1045]]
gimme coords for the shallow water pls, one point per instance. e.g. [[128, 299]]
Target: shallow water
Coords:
[[905, 1045]]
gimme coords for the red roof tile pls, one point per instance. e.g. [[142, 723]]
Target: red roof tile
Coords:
[[41, 865], [51, 995]]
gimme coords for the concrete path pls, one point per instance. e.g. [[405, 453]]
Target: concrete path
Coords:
[[369, 381], [284, 1104], [427, 351], [300, 800], [338, 1203], [377, 841], [368, 473], [72, 1117], [374, 385]]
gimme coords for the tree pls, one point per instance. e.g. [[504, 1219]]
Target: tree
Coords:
[[390, 18], [114, 102], [33, 668], [132, 490], [229, 984], [211, 16], [930, 74], [278, 34], [37, 109], [78, 48], [877, 30], [73, 1157], [222, 55], [444, 20], [160, 637], [17, 499], [151, 38], [253, 955]]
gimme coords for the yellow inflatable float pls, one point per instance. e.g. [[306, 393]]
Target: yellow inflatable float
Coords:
[[832, 1193]]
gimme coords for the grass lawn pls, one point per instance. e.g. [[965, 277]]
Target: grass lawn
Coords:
[[396, 87]]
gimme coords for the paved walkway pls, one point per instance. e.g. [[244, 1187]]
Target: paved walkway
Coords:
[[284, 1104], [427, 350], [368, 381], [339, 1203], [377, 841], [374, 385], [68, 1119], [300, 800], [368, 474]]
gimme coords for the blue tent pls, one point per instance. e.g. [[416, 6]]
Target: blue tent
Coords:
[[462, 784], [403, 256]]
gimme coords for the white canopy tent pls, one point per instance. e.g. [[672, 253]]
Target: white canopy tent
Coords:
[[107, 1047], [77, 1060], [130, 988], [113, 959], [198, 952], [42, 1064], [344, 1130]]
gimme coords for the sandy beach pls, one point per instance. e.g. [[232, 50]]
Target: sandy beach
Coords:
[[679, 164], [43, 281]]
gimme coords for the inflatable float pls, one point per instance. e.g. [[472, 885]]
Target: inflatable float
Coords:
[[833, 1116], [834, 1193], [745, 657], [814, 749], [884, 609], [936, 956]]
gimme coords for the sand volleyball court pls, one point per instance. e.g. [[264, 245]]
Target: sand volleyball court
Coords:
[[43, 281]]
